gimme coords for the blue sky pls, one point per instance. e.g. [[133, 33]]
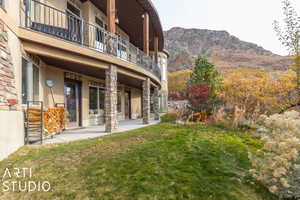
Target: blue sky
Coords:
[[249, 20]]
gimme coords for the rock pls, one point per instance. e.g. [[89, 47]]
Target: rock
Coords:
[[223, 49]]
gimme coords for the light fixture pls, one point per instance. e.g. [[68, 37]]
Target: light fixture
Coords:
[[117, 21]]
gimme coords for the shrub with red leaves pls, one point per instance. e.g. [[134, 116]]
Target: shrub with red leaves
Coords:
[[176, 96], [198, 95]]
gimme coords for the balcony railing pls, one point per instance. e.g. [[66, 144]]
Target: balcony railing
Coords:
[[67, 26]]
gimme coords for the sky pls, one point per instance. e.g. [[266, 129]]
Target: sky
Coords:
[[249, 20]]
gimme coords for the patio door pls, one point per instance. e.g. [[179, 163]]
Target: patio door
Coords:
[[73, 102], [75, 24]]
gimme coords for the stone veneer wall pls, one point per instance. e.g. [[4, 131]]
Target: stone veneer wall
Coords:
[[7, 77], [146, 101], [111, 100], [156, 103]]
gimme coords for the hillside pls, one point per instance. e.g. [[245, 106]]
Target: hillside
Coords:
[[220, 47]]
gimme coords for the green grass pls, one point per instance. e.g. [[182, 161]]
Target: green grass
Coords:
[[164, 161]]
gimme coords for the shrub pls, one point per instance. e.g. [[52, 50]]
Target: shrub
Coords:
[[197, 96], [277, 165], [170, 117], [176, 96]]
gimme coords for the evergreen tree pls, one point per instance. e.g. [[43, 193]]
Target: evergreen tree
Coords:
[[206, 73]]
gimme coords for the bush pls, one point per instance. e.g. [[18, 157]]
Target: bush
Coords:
[[170, 117], [277, 165]]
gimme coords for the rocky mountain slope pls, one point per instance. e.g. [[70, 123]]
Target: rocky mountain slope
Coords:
[[223, 49]]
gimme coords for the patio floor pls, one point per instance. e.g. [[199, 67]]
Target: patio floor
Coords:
[[95, 131]]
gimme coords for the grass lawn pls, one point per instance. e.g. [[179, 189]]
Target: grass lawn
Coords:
[[164, 161]]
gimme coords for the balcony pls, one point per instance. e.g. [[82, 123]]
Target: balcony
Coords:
[[67, 26]]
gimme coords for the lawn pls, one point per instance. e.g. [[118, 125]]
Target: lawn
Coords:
[[164, 161]]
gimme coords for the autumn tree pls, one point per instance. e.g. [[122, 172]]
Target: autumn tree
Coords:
[[289, 35], [177, 83], [204, 86], [205, 73]]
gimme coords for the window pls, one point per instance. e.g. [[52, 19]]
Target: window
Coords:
[[93, 100], [99, 32], [73, 10], [96, 100], [2, 3], [102, 98], [30, 81]]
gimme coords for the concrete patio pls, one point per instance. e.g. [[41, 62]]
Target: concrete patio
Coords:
[[95, 131]]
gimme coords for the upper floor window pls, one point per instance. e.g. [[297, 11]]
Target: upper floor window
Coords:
[[71, 9], [99, 32], [2, 3]]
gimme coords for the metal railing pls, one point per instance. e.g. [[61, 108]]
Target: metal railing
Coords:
[[67, 26]]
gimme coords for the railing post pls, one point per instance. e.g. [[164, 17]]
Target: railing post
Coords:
[[82, 31]]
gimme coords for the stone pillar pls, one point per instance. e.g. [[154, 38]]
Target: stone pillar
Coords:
[[146, 101], [156, 103], [111, 113]]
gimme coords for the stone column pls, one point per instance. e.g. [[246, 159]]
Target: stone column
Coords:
[[111, 113], [156, 103], [146, 101]]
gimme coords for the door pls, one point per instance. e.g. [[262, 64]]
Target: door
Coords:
[[127, 105], [73, 103], [75, 24]]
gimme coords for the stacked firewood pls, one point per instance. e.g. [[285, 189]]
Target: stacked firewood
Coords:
[[54, 121], [34, 119]]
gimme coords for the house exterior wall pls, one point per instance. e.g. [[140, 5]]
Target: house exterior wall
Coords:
[[11, 136], [48, 72], [17, 43]]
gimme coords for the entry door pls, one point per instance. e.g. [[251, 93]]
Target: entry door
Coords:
[[75, 24], [127, 105], [73, 102]]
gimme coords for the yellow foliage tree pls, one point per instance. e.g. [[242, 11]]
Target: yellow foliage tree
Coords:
[[178, 80], [260, 92]]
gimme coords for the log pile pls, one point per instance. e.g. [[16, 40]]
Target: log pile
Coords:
[[54, 121], [34, 119]]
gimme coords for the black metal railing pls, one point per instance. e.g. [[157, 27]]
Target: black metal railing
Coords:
[[67, 26]]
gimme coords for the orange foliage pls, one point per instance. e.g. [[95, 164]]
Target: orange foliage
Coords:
[[260, 92]]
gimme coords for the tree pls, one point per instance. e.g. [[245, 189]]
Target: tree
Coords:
[[206, 73], [290, 35], [177, 83], [204, 86]]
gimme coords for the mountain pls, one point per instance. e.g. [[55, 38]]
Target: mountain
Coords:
[[223, 49]]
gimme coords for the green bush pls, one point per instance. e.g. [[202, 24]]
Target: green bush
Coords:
[[170, 117]]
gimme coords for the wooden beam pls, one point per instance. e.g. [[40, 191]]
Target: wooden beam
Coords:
[[156, 50], [111, 16], [146, 33]]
